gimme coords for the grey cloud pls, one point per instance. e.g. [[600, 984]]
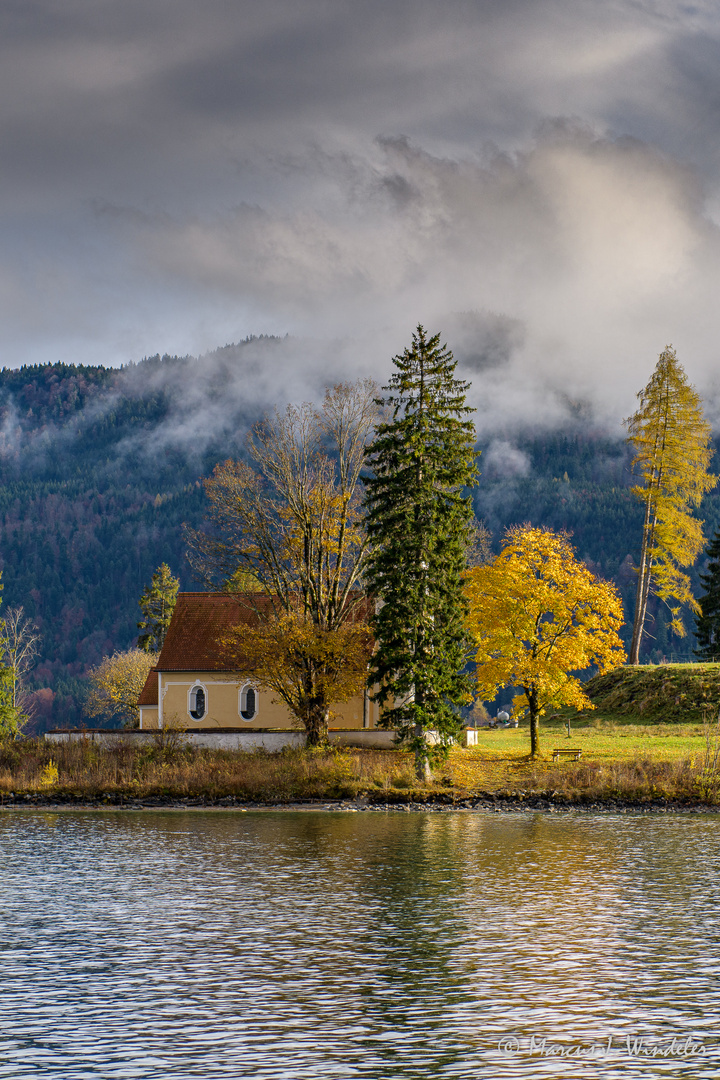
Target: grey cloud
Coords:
[[482, 341], [221, 394], [175, 175], [102, 96], [201, 401]]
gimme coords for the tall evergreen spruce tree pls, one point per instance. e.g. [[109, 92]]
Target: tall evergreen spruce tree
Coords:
[[157, 604], [707, 622], [419, 524]]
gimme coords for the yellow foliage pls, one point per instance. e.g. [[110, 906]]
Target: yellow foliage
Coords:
[[288, 528], [305, 666], [672, 455], [49, 775], [116, 684], [536, 615]]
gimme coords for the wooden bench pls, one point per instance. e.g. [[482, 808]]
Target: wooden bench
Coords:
[[562, 751]]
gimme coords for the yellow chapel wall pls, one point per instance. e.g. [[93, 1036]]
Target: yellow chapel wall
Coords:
[[222, 701]]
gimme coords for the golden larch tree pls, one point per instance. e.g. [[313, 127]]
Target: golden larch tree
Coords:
[[157, 604], [671, 440], [538, 616]]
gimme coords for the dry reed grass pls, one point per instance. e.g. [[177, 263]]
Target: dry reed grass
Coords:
[[169, 770], [166, 770], [637, 780]]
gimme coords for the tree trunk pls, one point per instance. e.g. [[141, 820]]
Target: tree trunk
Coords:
[[643, 587], [422, 761], [316, 726], [534, 723]]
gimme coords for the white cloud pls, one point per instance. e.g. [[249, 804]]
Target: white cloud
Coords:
[[597, 252], [502, 459]]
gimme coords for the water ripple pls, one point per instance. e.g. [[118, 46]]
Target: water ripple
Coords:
[[319, 945]]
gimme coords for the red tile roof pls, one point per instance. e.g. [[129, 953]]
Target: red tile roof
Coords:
[[200, 620], [149, 693]]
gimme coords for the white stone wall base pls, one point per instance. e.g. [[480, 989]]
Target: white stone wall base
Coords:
[[372, 738]]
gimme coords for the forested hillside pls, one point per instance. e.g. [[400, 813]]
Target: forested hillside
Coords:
[[100, 467]]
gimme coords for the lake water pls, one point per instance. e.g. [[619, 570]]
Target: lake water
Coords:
[[359, 945]]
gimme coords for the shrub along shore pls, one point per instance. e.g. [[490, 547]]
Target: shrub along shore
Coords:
[[623, 765]]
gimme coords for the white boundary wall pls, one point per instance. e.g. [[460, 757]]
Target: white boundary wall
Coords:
[[222, 740], [372, 738]]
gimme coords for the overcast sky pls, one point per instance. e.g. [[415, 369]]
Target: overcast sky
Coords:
[[539, 179]]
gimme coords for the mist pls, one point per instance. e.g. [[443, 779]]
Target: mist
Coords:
[[538, 182]]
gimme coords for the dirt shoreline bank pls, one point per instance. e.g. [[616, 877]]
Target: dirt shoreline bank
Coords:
[[483, 803]]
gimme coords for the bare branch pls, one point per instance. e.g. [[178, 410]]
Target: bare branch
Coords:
[[289, 526]]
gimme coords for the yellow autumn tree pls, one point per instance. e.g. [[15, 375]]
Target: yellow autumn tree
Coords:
[[116, 683], [672, 448], [288, 527], [305, 666], [538, 616]]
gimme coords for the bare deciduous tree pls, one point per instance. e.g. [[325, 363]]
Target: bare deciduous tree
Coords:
[[19, 640], [288, 538]]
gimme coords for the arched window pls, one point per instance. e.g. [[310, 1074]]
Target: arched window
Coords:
[[196, 702], [248, 702]]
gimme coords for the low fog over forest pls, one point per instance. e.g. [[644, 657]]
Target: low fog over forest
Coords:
[[101, 466]]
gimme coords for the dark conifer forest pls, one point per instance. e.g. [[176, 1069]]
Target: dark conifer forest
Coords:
[[100, 467]]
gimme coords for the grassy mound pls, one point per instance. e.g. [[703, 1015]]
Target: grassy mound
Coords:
[[664, 692]]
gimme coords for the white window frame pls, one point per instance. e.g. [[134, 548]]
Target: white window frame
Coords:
[[243, 689], [197, 685]]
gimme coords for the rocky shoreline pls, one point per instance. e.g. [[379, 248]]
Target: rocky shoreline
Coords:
[[482, 803]]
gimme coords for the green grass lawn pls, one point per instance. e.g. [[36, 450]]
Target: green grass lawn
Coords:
[[648, 728], [657, 693], [619, 755], [602, 737]]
